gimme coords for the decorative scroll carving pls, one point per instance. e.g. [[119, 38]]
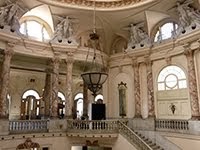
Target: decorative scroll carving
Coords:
[[94, 143], [28, 144]]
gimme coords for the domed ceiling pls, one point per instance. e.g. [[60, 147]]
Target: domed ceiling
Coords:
[[100, 4]]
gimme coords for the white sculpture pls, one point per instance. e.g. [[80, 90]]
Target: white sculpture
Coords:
[[64, 30], [3, 15], [187, 14], [137, 36], [8, 16]]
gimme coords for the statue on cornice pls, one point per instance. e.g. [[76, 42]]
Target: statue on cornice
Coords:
[[9, 16], [64, 29], [137, 36], [187, 14]]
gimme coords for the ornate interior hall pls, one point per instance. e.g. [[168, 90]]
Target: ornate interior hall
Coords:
[[100, 74]]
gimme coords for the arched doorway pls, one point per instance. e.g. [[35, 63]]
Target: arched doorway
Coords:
[[30, 105]]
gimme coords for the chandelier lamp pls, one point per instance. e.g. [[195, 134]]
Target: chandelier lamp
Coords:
[[95, 76]]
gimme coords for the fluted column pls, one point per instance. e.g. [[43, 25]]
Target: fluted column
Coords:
[[47, 94], [192, 82], [137, 89], [85, 100], [5, 78], [150, 90], [69, 99], [55, 76]]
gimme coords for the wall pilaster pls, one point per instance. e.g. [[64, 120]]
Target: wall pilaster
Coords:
[[5, 78], [192, 82], [69, 83]]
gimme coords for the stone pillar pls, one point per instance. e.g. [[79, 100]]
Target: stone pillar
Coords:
[[69, 80], [55, 86], [85, 100], [5, 78], [150, 90], [137, 89], [47, 94], [192, 82]]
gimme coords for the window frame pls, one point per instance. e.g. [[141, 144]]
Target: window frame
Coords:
[[40, 21], [164, 74]]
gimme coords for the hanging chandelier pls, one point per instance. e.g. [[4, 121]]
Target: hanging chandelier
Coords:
[[95, 77]]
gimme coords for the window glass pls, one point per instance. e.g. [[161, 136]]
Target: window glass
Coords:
[[34, 30], [165, 31], [31, 93], [79, 104], [170, 78]]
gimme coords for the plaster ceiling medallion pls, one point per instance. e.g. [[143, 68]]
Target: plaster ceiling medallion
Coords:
[[100, 4]]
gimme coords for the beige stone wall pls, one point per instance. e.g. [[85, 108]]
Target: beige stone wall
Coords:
[[163, 99], [19, 83], [122, 143], [115, 77]]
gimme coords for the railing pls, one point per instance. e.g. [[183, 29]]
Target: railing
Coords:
[[16, 126], [172, 124], [94, 125], [133, 137]]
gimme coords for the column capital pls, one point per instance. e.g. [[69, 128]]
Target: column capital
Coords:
[[187, 49], [9, 50], [135, 63], [56, 59], [70, 57]]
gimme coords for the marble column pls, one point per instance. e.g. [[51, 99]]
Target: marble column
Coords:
[[192, 82], [68, 93], [85, 100], [47, 94], [5, 78], [150, 90], [55, 86], [137, 89]]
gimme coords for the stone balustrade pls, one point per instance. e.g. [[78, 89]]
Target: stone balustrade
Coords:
[[21, 126], [95, 125], [167, 124]]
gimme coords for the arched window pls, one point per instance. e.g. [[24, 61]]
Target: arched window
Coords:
[[170, 78], [30, 105], [99, 98], [35, 29], [79, 104], [61, 104], [165, 31]]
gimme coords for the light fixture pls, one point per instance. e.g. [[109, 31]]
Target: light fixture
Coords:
[[96, 76]]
